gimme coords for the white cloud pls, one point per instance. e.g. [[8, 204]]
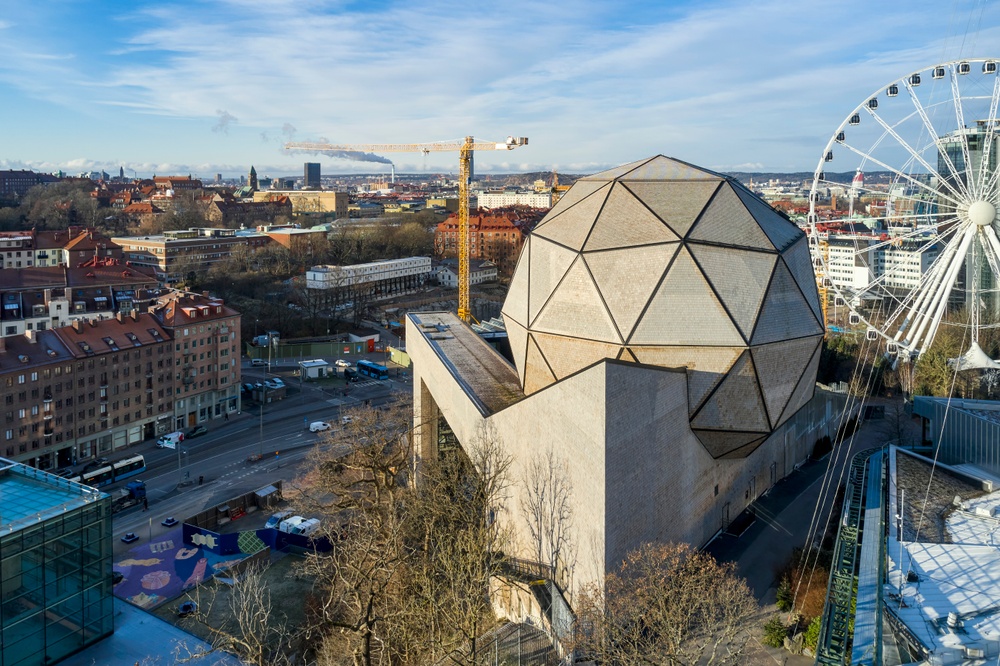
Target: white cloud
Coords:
[[719, 82]]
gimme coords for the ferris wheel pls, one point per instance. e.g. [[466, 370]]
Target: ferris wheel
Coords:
[[903, 211]]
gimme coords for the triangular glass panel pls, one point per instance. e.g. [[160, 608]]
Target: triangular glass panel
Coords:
[[616, 172], [624, 221], [726, 221], [740, 278], [678, 204], [576, 309], [804, 390], [549, 263], [722, 443], [537, 374], [785, 313], [736, 404], [779, 366], [515, 306], [572, 227], [627, 279], [706, 366], [781, 231], [685, 311], [568, 355], [800, 264], [667, 168], [517, 336], [746, 449], [581, 190]]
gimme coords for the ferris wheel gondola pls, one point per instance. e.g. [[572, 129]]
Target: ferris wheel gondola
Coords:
[[903, 210]]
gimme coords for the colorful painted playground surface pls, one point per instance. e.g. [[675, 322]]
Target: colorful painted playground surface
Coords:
[[156, 572]]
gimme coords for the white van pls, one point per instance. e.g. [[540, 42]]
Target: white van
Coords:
[[289, 524], [306, 527], [170, 440], [318, 426]]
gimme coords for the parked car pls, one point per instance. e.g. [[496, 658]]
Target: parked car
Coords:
[[248, 387], [318, 426], [194, 432], [276, 518], [277, 381], [346, 419], [257, 362], [274, 384], [130, 537], [169, 521]]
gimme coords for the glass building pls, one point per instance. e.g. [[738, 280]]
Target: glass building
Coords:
[[55, 566]]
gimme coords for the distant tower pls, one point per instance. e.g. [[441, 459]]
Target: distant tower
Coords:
[[121, 172], [253, 178], [312, 176], [857, 185]]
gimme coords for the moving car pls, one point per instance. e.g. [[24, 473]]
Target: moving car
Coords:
[[169, 521], [130, 537], [194, 432], [346, 419], [342, 363], [318, 426], [170, 440]]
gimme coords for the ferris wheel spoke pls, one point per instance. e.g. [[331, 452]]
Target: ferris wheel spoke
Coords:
[[939, 301], [906, 176], [982, 189], [933, 134], [956, 97], [929, 285], [914, 155], [993, 243]]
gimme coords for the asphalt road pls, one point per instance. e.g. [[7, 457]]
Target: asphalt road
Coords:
[[219, 458]]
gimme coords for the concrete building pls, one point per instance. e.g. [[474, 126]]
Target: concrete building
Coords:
[[306, 202], [514, 197], [311, 176], [172, 254], [55, 566], [665, 330], [446, 273], [333, 285]]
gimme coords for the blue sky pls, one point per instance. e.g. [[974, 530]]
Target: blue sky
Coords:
[[207, 86]]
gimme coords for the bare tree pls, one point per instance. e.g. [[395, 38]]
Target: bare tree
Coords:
[[247, 626], [668, 604], [546, 506]]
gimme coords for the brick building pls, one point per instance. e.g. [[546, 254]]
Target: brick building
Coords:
[[83, 390], [232, 214], [495, 236], [39, 298], [65, 247], [206, 339], [174, 253]]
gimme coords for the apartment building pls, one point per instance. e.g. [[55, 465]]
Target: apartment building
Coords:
[[206, 338], [513, 197], [83, 390], [233, 213], [496, 236], [173, 254], [39, 298], [69, 247], [306, 202]]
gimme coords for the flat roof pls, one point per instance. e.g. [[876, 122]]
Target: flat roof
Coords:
[[29, 495], [486, 376]]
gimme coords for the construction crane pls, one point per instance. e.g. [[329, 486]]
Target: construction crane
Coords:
[[465, 149]]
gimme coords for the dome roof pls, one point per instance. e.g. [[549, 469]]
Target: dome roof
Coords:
[[663, 263]]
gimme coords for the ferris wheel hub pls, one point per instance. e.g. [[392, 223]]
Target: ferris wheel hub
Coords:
[[982, 213]]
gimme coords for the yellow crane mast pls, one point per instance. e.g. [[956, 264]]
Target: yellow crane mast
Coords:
[[465, 149]]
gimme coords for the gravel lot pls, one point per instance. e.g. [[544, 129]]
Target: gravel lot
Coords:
[[913, 477]]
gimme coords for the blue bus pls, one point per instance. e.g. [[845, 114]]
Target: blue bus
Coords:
[[373, 370], [110, 473]]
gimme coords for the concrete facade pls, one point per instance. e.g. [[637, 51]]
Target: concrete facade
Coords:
[[621, 430]]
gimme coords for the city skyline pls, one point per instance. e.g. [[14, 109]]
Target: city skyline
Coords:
[[217, 86]]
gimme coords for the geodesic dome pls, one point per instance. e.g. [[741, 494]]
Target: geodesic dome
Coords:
[[663, 263]]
